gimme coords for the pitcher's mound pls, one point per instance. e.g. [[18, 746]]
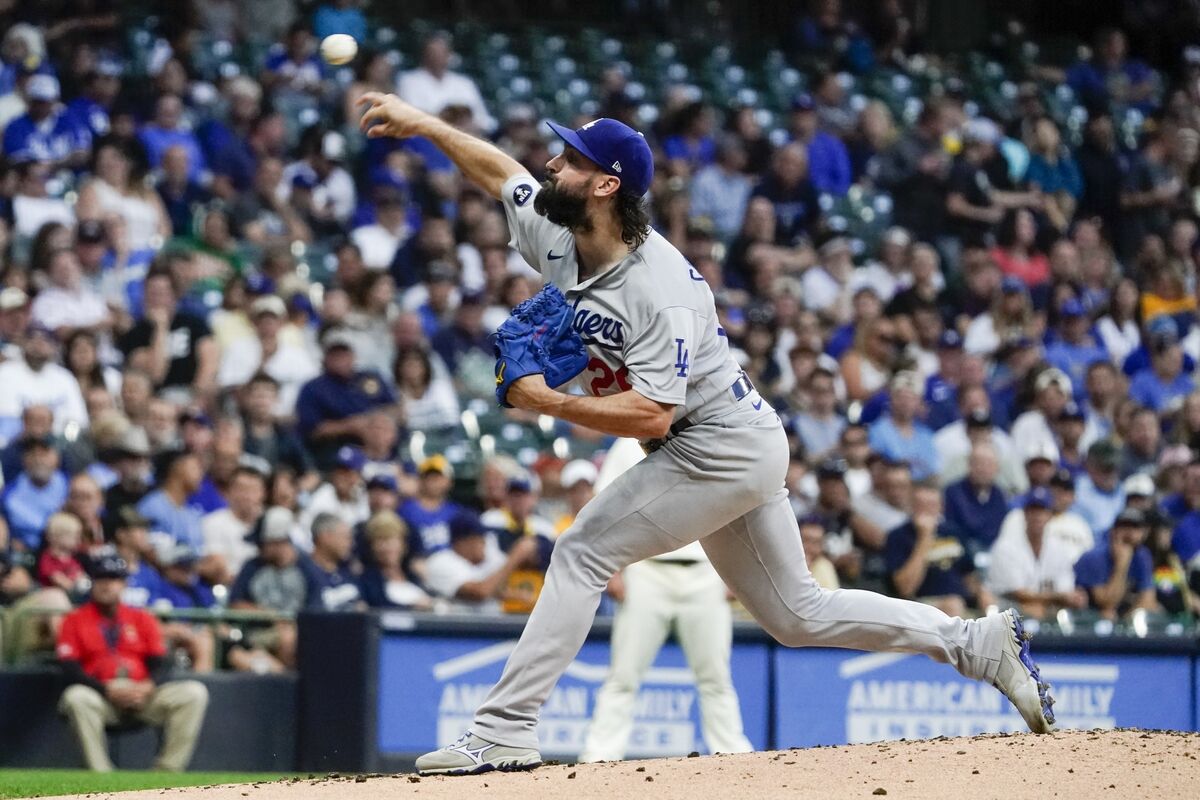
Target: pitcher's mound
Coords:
[[1075, 764]]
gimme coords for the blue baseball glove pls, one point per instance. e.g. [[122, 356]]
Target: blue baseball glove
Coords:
[[538, 338]]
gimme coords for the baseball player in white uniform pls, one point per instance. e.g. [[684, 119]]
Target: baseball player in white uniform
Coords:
[[678, 590], [660, 371]]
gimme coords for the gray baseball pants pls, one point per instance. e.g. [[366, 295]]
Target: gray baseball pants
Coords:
[[719, 481]]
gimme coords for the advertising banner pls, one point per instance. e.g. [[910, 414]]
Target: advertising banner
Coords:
[[844, 696], [429, 688]]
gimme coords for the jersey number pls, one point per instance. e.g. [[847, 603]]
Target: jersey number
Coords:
[[604, 379], [681, 359]]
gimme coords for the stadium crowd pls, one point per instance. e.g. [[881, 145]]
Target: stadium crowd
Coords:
[[233, 331]]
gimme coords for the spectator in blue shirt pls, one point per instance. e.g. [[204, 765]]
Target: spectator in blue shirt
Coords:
[[927, 561], [335, 583], [131, 537], [167, 131], [340, 16], [720, 191], [45, 133], [1163, 385], [1075, 349], [331, 409], [90, 110], [792, 195], [1053, 172], [899, 436], [1099, 496], [428, 514], [828, 160], [819, 425], [179, 475], [1118, 574], [1111, 77], [39, 491], [976, 506], [692, 146], [294, 67], [182, 586], [941, 390]]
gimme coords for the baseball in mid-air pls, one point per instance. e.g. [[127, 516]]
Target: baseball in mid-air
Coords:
[[338, 48]]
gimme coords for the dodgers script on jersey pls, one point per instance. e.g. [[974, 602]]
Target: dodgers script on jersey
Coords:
[[649, 323]]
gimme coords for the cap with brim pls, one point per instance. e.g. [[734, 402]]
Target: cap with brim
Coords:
[[195, 416], [1041, 450], [268, 304], [1072, 308], [950, 340], [1053, 377], [43, 88], [832, 468], [1104, 453], [1063, 479], [436, 463], [1012, 285], [30, 442], [1038, 497], [1130, 518], [135, 443], [275, 525], [13, 298], [351, 458], [337, 338], [616, 149], [979, 418], [383, 481], [464, 525], [520, 485], [90, 231], [130, 517], [107, 564], [576, 471], [1138, 485], [179, 555], [1072, 411]]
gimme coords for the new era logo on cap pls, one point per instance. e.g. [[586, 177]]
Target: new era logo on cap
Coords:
[[615, 148]]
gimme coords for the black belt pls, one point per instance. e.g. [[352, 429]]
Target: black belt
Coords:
[[675, 562], [740, 388]]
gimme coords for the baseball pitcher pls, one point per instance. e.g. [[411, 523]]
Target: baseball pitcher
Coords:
[[658, 368]]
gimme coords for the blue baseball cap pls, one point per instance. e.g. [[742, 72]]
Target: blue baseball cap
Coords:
[[1072, 308], [465, 524], [1012, 284], [383, 481], [349, 457], [1039, 497], [615, 148], [950, 340]]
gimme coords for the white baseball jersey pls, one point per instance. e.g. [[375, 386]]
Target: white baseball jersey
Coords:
[[649, 323]]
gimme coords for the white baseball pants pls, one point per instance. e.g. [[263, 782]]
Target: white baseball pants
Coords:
[[720, 481]]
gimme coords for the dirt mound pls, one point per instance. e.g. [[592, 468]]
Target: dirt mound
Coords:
[[1071, 764]]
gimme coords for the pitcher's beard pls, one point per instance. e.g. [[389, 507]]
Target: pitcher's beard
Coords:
[[562, 207]]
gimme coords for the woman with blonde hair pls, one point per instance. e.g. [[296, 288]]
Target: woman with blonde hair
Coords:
[[1011, 316], [386, 584], [868, 365]]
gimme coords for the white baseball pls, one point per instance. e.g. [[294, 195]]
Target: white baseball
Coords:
[[338, 48]]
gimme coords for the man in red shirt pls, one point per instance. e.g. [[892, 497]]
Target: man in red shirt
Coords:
[[114, 656]]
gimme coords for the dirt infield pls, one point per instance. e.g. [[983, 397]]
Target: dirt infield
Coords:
[[1083, 764]]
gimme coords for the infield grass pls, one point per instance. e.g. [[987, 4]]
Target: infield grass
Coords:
[[49, 782]]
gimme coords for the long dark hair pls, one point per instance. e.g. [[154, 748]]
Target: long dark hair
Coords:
[[635, 219]]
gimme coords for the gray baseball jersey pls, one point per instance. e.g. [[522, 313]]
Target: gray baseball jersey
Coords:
[[649, 323]]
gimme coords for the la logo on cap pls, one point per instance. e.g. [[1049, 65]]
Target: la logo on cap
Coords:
[[616, 166]]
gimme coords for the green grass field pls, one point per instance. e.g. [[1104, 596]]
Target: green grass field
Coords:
[[50, 782]]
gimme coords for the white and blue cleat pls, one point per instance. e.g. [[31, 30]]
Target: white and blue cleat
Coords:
[[1017, 676]]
